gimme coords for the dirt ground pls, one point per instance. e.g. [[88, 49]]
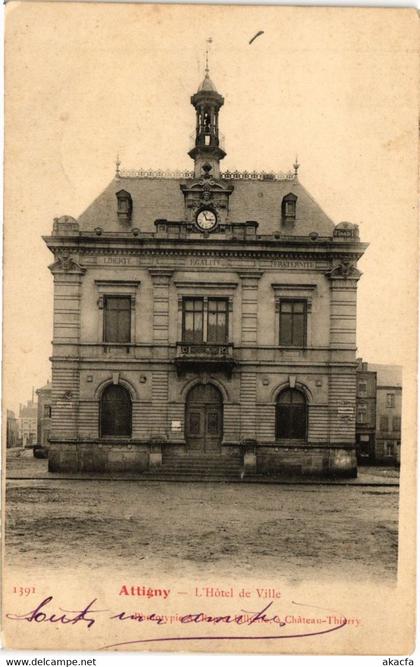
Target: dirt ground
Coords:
[[301, 532]]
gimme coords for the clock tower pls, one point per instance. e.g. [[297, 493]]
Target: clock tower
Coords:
[[207, 151], [207, 196]]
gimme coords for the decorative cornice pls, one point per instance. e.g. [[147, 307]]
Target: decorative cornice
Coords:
[[308, 254], [155, 173]]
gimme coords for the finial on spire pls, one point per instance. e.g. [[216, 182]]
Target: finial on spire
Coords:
[[209, 41], [117, 166], [296, 166]]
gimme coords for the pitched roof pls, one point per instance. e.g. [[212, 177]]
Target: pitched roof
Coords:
[[46, 387], [155, 198]]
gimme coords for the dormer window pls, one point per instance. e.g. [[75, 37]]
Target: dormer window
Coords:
[[288, 209], [124, 206]]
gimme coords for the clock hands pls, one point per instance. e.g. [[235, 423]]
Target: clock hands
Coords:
[[206, 219]]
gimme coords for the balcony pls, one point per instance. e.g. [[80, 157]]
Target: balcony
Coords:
[[213, 356]]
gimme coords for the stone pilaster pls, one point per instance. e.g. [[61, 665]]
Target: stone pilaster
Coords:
[[249, 314], [248, 402], [343, 288], [161, 279], [68, 276], [342, 382], [158, 416]]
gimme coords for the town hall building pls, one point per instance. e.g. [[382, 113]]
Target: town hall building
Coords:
[[204, 322]]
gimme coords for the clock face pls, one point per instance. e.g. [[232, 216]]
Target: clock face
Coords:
[[206, 220]]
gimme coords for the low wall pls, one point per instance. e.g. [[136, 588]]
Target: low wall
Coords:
[[98, 457]]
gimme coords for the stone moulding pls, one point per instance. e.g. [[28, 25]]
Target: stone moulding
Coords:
[[313, 254]]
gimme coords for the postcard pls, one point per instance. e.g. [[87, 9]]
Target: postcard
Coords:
[[210, 327]]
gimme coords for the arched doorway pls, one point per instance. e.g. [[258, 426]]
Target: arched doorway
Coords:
[[115, 411], [291, 415], [204, 419]]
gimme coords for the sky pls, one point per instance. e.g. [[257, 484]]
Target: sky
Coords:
[[337, 87]]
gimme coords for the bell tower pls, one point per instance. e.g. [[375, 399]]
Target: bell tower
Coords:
[[206, 151]]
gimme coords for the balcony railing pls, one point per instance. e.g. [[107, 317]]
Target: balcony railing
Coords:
[[234, 175], [204, 354]]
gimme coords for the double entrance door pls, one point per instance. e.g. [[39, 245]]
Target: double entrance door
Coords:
[[204, 419]]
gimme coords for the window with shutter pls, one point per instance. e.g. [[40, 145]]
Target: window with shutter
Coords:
[[292, 323], [117, 319], [396, 423], [390, 400], [383, 423]]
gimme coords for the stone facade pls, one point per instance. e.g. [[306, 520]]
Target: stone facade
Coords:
[[217, 311], [365, 413], [27, 423], [12, 432], [388, 413], [378, 420], [44, 414]]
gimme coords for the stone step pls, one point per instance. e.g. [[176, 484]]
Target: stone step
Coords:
[[208, 457], [198, 469], [182, 477], [201, 462], [198, 462], [203, 471]]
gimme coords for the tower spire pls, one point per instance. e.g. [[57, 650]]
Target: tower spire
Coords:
[[207, 102], [296, 166], [209, 41]]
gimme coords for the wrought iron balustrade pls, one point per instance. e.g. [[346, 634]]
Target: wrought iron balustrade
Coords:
[[228, 175], [212, 355], [205, 350]]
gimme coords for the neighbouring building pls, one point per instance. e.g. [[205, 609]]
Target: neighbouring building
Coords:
[[44, 414], [27, 423], [204, 318], [365, 413], [12, 434], [388, 413]]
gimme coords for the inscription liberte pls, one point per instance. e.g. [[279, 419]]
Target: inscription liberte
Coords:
[[211, 262]]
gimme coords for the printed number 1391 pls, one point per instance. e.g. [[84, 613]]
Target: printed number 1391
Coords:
[[24, 590]]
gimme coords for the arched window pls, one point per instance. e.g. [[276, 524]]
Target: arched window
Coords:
[[291, 415], [288, 208], [115, 413], [125, 205]]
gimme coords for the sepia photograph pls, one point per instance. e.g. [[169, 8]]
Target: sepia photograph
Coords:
[[210, 328]]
